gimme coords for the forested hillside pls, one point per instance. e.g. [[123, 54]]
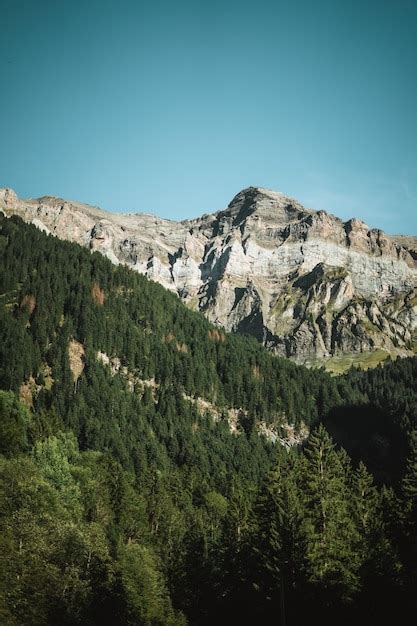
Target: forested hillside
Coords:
[[141, 476]]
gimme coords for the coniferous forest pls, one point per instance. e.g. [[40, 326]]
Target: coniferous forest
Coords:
[[143, 480]]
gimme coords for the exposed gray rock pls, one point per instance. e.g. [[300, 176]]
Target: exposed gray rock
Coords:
[[303, 282]]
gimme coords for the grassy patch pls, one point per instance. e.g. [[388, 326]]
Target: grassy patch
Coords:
[[283, 302], [337, 365]]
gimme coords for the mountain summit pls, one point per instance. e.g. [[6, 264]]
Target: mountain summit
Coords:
[[306, 284]]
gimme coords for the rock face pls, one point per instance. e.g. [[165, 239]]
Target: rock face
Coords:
[[304, 283]]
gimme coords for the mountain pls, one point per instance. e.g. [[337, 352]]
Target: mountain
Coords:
[[304, 283], [140, 482]]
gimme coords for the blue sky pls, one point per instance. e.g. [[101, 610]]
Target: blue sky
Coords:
[[173, 107]]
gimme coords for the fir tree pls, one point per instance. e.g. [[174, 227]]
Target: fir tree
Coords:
[[331, 538]]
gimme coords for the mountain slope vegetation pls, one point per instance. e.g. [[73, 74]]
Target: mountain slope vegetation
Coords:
[[141, 478]]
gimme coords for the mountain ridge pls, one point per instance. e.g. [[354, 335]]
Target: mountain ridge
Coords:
[[306, 284]]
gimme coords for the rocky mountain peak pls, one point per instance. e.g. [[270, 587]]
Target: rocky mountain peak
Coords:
[[303, 282], [8, 197], [260, 203]]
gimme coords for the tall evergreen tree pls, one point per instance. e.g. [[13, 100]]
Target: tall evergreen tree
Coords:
[[331, 537]]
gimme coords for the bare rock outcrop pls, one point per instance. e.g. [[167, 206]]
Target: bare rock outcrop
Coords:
[[305, 283]]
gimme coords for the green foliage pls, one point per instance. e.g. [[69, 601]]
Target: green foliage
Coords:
[[147, 599], [330, 533], [125, 498], [14, 425]]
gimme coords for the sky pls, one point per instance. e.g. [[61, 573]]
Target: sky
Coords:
[[172, 107]]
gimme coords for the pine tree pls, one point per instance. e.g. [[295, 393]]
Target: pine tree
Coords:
[[408, 515], [279, 542], [379, 564], [330, 535]]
